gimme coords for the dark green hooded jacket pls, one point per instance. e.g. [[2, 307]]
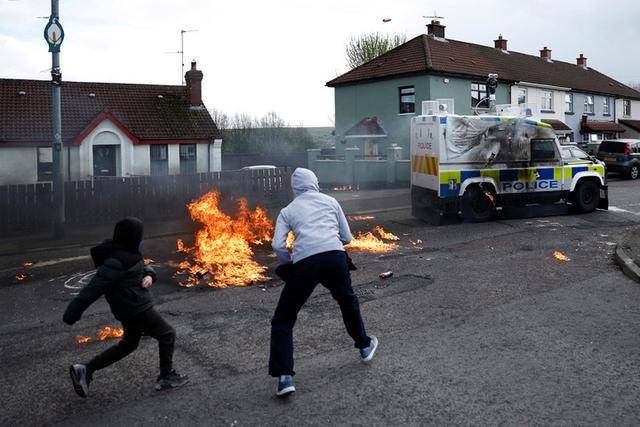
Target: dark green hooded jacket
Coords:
[[120, 270]]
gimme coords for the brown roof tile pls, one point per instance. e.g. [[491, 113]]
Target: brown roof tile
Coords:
[[600, 126], [424, 54], [27, 118], [556, 124]]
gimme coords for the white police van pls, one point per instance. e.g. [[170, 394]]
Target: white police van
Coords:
[[477, 165]]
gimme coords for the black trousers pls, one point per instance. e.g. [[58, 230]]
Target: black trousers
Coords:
[[330, 269], [148, 323]]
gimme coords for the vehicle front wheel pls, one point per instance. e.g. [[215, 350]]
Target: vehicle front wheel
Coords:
[[587, 196], [634, 172], [478, 204]]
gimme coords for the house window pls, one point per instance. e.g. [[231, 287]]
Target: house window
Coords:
[[479, 95], [45, 164], [188, 159], [588, 104], [159, 159], [522, 95], [546, 103], [626, 107], [407, 99], [568, 103], [606, 106]]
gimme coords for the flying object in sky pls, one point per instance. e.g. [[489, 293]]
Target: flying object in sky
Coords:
[[385, 20]]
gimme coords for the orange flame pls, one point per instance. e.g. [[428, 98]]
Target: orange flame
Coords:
[[109, 333], [290, 238], [361, 217], [222, 247], [148, 261], [26, 264], [342, 188], [369, 242], [561, 257], [82, 340], [20, 277]]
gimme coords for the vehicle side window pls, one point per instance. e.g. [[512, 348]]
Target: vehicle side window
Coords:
[[543, 150]]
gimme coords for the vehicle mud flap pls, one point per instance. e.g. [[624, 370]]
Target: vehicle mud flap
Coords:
[[604, 198], [429, 207]]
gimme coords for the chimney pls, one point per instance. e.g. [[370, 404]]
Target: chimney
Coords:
[[581, 61], [193, 78], [500, 43], [436, 29], [545, 53]]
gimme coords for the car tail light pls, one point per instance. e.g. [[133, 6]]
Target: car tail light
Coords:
[[627, 150]]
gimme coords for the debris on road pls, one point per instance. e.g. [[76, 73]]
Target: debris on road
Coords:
[[26, 264], [361, 217], [82, 339], [20, 277], [386, 274]]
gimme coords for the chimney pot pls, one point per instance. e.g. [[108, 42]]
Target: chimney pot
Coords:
[[500, 43], [581, 61], [545, 53], [193, 79], [436, 29]]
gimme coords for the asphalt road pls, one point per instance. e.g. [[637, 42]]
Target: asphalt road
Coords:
[[480, 324]]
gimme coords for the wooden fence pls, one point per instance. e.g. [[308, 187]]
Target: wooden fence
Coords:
[[151, 198]]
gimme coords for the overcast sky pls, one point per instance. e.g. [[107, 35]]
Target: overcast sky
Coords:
[[259, 56]]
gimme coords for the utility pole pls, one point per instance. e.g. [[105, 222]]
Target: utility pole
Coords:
[[54, 34]]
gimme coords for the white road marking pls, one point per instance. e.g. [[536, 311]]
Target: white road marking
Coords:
[[617, 209], [59, 261], [78, 280]]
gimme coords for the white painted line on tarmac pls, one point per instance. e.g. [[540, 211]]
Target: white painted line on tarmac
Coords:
[[59, 261], [616, 209]]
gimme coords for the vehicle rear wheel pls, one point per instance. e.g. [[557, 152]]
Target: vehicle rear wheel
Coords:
[[478, 204], [634, 172], [587, 196]]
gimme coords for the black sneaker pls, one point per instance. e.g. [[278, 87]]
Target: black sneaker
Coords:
[[80, 378], [171, 380]]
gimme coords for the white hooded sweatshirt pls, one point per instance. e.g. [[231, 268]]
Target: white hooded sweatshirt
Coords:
[[317, 221]]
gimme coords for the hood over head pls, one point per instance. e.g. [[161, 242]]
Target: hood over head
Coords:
[[303, 180], [111, 249], [128, 233]]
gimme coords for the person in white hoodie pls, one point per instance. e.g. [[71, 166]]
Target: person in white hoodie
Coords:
[[321, 231]]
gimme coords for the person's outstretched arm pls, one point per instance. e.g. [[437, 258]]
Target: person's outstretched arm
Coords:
[[345, 232], [279, 242], [106, 275]]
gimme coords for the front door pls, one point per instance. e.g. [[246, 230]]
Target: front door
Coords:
[[104, 160]]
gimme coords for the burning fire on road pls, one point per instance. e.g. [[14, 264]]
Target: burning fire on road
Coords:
[[361, 217], [561, 257], [20, 277], [223, 245], [369, 242], [106, 333]]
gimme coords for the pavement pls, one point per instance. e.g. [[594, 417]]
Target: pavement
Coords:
[[627, 254], [480, 324]]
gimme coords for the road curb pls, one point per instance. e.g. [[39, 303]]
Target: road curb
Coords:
[[626, 263]]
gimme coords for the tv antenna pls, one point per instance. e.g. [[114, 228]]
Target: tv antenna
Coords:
[[434, 17], [181, 51]]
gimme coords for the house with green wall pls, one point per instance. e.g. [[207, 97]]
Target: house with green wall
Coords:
[[390, 88]]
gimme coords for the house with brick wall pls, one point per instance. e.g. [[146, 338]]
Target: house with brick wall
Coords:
[[108, 130], [578, 101]]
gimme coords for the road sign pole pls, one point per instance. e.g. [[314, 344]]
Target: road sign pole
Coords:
[[56, 121]]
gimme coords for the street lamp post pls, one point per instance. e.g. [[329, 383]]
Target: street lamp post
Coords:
[[54, 34]]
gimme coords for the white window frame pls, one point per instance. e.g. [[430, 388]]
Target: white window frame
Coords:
[[606, 106], [568, 100], [521, 91], [626, 107], [588, 104], [546, 96]]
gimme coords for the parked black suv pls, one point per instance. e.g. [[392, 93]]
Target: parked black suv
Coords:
[[621, 156]]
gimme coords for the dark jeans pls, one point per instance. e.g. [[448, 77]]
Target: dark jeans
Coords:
[[148, 323], [330, 269]]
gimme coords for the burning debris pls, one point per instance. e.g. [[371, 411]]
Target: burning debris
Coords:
[[26, 264], [361, 217], [343, 188], [148, 261], [369, 242], [561, 257], [20, 277], [222, 247], [106, 333], [290, 238]]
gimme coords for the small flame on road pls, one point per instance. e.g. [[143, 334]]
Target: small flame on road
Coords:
[[343, 188], [361, 217], [20, 277], [561, 257], [148, 261], [82, 339], [369, 242], [26, 264], [109, 333]]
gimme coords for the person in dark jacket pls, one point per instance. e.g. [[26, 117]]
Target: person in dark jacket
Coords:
[[124, 281]]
